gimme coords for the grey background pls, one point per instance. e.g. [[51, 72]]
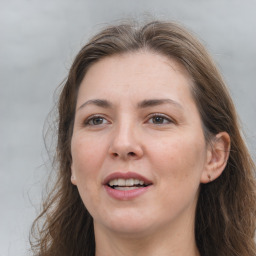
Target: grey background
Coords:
[[39, 40]]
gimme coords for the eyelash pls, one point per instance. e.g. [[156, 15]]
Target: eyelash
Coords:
[[169, 120], [88, 120]]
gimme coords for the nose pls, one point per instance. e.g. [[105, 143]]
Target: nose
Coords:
[[126, 144]]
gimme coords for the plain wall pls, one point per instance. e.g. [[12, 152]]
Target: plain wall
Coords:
[[39, 40]]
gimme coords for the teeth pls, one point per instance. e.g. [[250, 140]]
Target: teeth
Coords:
[[129, 182], [125, 182], [111, 183], [125, 188], [137, 182], [121, 182]]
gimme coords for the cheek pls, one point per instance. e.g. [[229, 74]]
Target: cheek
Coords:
[[177, 164], [87, 153], [87, 156], [179, 158]]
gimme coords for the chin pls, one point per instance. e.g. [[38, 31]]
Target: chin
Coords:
[[129, 229], [126, 223]]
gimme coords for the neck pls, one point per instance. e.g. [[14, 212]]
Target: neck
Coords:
[[166, 241]]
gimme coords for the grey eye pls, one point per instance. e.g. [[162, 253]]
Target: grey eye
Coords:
[[159, 119], [96, 120]]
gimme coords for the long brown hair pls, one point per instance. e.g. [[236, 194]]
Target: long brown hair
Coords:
[[226, 208]]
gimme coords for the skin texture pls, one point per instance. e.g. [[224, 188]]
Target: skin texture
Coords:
[[170, 151]]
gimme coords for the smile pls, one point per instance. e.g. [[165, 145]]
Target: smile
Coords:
[[125, 186]]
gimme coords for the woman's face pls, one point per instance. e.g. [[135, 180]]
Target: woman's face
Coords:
[[138, 147]]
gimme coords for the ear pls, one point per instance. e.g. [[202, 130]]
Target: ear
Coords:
[[217, 157], [73, 177]]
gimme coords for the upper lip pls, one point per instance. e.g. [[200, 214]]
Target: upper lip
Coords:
[[126, 175]]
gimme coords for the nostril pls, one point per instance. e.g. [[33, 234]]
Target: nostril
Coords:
[[124, 155]]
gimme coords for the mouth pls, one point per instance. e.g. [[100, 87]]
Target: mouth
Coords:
[[126, 181], [126, 184]]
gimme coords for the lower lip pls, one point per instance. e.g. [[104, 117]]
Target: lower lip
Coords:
[[125, 194]]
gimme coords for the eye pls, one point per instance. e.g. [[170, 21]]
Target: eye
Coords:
[[96, 120], [160, 119]]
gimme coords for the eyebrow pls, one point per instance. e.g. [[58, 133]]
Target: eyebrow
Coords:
[[98, 102], [157, 102], [143, 104]]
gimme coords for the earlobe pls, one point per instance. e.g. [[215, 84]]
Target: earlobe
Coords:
[[217, 157], [73, 178]]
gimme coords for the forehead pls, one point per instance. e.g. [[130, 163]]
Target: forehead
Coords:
[[134, 76]]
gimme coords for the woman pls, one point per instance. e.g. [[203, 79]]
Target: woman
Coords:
[[150, 156]]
